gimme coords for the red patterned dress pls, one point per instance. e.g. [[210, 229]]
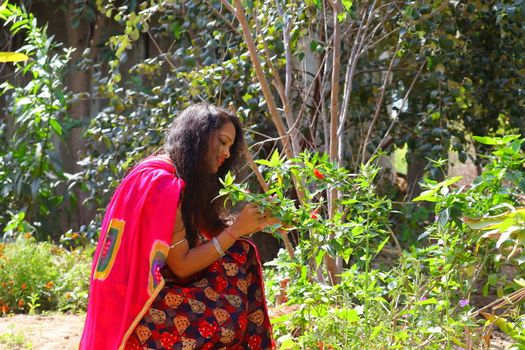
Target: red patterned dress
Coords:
[[222, 307]]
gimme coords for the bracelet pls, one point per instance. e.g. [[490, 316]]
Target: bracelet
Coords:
[[217, 246], [177, 243], [228, 232]]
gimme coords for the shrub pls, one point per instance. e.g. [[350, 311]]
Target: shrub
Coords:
[[40, 275]]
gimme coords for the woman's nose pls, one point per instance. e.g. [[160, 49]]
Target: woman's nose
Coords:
[[226, 153]]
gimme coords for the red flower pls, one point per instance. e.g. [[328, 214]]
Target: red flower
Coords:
[[314, 214], [318, 174], [284, 282]]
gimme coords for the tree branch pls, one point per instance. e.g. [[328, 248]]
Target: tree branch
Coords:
[[400, 109], [379, 102]]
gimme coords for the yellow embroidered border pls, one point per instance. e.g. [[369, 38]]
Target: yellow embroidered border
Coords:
[[118, 225], [140, 315], [158, 247]]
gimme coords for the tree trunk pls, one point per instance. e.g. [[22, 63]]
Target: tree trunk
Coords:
[[78, 81], [415, 170]]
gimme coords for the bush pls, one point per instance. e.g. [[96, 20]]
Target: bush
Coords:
[[42, 276], [430, 292]]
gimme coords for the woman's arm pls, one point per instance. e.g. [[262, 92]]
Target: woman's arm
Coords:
[[184, 262]]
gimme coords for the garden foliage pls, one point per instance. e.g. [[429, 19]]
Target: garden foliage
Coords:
[[423, 295], [32, 181], [40, 276]]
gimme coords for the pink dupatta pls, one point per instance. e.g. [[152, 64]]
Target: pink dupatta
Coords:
[[134, 243]]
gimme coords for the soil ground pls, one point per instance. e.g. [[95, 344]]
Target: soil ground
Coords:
[[51, 332], [62, 332]]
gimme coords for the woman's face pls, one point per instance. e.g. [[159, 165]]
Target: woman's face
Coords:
[[219, 147]]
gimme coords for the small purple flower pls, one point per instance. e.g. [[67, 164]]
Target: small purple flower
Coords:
[[463, 302], [422, 298]]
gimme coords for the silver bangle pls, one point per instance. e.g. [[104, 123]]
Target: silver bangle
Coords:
[[217, 246], [177, 243]]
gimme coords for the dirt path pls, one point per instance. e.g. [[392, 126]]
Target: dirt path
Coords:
[[53, 332]]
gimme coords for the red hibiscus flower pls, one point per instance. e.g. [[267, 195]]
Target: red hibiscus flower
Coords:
[[318, 174]]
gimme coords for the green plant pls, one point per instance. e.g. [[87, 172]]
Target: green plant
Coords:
[[42, 276], [31, 171], [424, 295], [33, 303], [513, 328], [355, 233], [15, 340]]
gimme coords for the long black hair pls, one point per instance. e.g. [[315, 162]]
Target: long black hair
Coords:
[[187, 142]]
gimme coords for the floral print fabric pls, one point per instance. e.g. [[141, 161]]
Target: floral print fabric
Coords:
[[223, 307]]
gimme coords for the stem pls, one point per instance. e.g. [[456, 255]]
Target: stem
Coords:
[[367, 277], [330, 262]]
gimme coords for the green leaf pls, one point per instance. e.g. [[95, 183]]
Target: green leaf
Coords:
[[376, 331], [429, 196], [18, 25], [380, 247], [13, 57], [287, 342], [263, 162], [275, 160], [495, 141], [347, 4], [348, 315], [430, 301], [514, 217], [319, 257], [281, 319], [56, 126], [502, 323], [228, 179]]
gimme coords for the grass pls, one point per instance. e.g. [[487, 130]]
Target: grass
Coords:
[[15, 340]]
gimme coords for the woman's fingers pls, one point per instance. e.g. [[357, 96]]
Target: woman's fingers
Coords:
[[251, 219]]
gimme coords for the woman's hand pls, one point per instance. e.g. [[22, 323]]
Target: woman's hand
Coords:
[[251, 220]]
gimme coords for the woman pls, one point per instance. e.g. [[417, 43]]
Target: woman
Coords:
[[168, 272]]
